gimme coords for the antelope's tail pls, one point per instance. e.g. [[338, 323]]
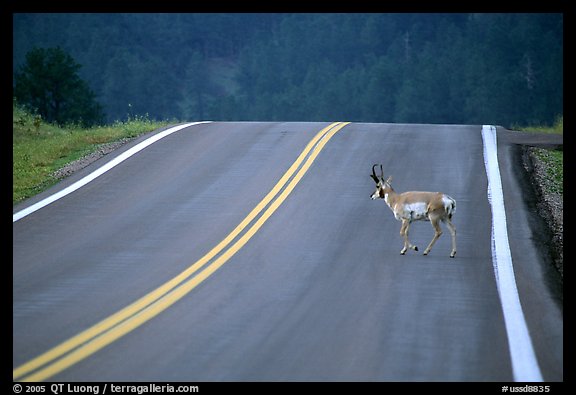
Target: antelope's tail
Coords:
[[449, 205]]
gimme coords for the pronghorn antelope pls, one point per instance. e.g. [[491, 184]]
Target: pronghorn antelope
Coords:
[[417, 206]]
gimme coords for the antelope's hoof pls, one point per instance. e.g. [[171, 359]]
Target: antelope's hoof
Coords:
[[453, 254], [415, 248]]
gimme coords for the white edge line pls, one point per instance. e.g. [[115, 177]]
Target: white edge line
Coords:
[[524, 363], [101, 170]]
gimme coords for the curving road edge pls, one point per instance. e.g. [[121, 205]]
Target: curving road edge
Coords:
[[97, 173]]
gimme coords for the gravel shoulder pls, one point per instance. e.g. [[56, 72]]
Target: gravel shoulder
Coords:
[[79, 164], [550, 204]]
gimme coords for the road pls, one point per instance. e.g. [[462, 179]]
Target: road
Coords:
[[312, 288]]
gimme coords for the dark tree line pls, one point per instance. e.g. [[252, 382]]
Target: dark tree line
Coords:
[[48, 83], [427, 68]]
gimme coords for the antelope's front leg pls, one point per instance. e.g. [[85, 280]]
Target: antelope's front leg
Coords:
[[404, 234]]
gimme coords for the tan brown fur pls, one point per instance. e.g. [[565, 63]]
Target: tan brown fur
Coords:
[[411, 206]]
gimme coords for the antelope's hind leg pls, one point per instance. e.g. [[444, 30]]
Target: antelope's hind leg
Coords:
[[452, 230], [437, 233]]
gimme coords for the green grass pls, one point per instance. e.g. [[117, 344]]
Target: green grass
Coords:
[[553, 159], [556, 128], [40, 148]]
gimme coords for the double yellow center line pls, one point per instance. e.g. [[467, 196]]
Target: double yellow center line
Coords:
[[124, 321]]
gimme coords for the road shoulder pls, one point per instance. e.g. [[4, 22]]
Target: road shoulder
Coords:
[[550, 205]]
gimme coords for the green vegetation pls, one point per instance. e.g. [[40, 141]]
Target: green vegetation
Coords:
[[477, 68], [553, 160], [40, 148], [49, 83], [556, 128], [89, 69]]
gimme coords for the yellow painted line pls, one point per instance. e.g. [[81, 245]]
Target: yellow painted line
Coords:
[[141, 303], [107, 331]]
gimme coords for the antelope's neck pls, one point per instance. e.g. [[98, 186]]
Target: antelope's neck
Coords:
[[390, 198]]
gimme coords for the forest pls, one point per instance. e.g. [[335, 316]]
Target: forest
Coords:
[[504, 69]]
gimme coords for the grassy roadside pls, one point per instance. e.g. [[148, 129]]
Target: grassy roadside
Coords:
[[557, 128], [546, 168], [40, 148], [554, 163], [553, 160]]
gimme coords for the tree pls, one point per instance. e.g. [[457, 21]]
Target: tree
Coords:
[[447, 68], [196, 84], [48, 83]]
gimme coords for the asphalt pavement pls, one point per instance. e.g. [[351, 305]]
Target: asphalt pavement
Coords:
[[312, 288]]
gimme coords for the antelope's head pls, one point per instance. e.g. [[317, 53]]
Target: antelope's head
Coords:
[[383, 187]]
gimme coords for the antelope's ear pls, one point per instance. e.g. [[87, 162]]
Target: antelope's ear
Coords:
[[389, 180]]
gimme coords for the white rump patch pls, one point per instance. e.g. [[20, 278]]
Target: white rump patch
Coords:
[[448, 202]]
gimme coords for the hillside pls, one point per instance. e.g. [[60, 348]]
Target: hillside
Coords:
[[410, 68]]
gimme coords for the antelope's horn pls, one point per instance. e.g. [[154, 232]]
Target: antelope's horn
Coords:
[[373, 175]]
